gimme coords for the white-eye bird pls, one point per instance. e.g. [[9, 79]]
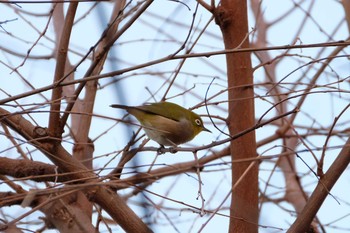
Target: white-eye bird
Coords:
[[166, 123]]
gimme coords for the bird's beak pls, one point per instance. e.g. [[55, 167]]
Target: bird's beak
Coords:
[[205, 129]]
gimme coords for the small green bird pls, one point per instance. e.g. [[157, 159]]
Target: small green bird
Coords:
[[166, 123]]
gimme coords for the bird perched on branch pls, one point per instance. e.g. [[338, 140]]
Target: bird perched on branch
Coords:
[[166, 123]]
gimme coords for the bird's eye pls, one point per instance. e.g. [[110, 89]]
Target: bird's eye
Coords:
[[198, 122]]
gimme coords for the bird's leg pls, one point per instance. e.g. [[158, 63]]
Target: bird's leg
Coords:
[[161, 150]]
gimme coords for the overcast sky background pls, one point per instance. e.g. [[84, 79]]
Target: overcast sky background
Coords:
[[144, 42]]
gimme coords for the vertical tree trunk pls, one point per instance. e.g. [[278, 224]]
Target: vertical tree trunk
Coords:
[[232, 19]]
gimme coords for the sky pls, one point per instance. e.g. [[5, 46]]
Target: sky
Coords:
[[155, 36]]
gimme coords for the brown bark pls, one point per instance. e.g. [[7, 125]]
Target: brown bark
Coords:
[[232, 19], [111, 202], [323, 188], [55, 128]]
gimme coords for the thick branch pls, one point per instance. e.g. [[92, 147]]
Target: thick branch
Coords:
[[302, 223], [31, 170], [231, 16], [110, 201], [54, 119]]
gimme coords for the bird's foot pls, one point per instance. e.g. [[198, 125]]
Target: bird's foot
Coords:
[[162, 150], [173, 150]]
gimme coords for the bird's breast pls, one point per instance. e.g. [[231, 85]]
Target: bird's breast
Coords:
[[168, 132]]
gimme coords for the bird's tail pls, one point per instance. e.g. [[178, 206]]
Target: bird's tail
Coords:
[[119, 106]]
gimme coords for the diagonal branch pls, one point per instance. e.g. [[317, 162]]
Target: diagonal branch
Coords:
[[321, 191], [111, 202]]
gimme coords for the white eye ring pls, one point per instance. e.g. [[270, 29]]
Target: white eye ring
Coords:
[[198, 122]]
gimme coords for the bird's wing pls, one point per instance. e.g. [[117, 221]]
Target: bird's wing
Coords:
[[176, 112]]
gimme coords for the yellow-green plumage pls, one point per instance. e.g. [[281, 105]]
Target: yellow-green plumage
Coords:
[[166, 123]]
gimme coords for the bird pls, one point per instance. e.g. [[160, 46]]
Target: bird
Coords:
[[166, 123]]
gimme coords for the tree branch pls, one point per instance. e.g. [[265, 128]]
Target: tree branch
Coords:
[[325, 184], [110, 202]]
